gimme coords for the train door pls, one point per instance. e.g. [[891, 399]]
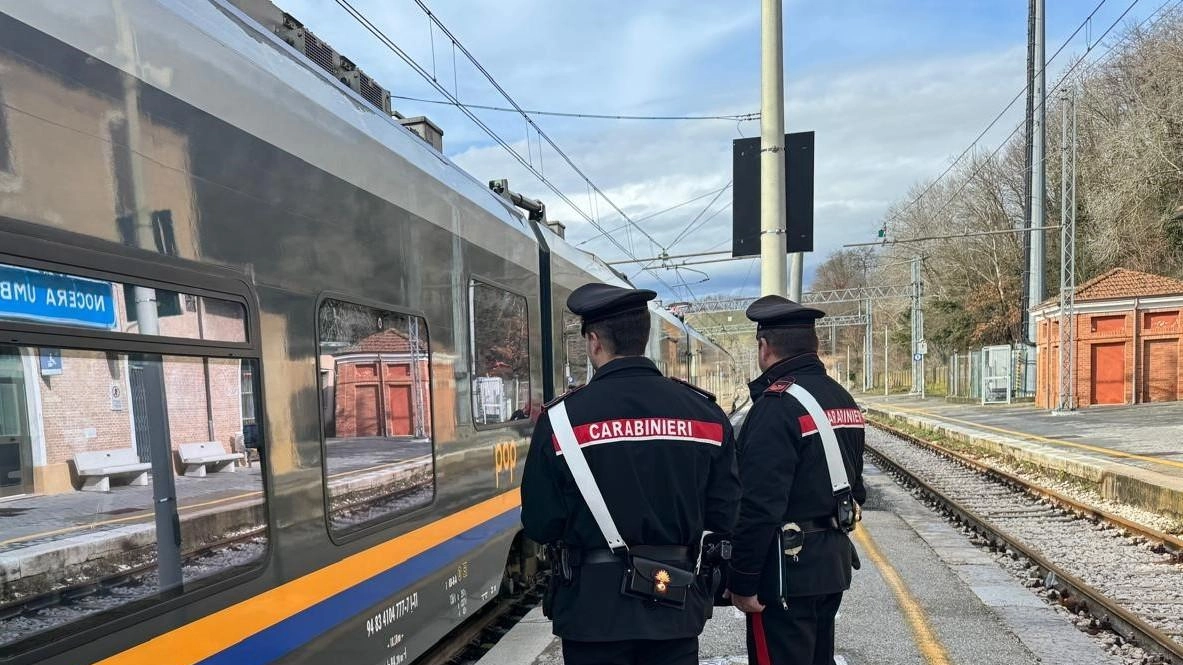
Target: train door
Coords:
[[16, 454]]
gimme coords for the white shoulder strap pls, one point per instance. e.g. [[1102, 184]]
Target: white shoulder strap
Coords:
[[838, 479], [561, 425]]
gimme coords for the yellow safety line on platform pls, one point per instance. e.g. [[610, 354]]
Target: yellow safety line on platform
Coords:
[[1035, 437], [926, 639]]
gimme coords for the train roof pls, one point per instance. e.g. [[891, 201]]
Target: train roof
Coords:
[[584, 260], [212, 56]]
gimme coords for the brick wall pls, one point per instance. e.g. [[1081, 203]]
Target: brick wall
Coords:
[[76, 406], [1143, 377]]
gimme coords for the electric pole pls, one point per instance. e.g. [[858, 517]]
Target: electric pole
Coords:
[[1036, 291], [772, 155]]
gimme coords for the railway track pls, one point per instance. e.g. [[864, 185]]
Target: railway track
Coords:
[[1127, 577], [466, 644]]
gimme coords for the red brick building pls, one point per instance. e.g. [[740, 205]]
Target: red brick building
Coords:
[[379, 388], [92, 400], [1128, 330]]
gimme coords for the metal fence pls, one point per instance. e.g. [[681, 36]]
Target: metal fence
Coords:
[[993, 374]]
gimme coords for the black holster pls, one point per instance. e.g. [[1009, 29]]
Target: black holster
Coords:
[[847, 515], [713, 571], [562, 573]]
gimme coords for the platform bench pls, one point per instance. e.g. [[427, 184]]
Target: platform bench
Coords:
[[197, 456], [97, 468]]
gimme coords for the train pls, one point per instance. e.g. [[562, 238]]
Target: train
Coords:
[[269, 361]]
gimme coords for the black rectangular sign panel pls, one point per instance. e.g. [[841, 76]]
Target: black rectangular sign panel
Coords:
[[745, 208]]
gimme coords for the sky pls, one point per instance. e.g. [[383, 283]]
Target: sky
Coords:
[[893, 89]]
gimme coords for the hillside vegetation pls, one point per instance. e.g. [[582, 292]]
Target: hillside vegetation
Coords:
[[1129, 201]]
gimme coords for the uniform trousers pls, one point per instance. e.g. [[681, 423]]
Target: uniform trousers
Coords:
[[682, 651], [800, 635]]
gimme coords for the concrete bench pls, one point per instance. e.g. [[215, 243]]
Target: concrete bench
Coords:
[[98, 467], [197, 456]]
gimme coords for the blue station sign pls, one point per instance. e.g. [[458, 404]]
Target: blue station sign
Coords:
[[50, 297]]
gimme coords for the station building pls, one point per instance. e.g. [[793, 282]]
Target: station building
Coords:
[[1129, 327], [55, 403]]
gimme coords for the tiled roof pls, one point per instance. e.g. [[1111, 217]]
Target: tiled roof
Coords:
[[386, 341], [1124, 283]]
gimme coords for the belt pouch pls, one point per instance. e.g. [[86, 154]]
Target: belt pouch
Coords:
[[656, 581]]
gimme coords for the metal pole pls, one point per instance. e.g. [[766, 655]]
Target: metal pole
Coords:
[[1036, 289], [868, 351], [1071, 290], [164, 492], [886, 366], [848, 366], [1025, 304], [1067, 319], [772, 152], [796, 271], [917, 379]]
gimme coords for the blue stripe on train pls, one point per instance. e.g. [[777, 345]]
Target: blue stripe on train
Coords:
[[288, 635]]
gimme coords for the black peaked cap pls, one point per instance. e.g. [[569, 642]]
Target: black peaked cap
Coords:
[[596, 302], [780, 312]]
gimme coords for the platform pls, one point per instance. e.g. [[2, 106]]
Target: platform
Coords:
[[924, 596], [1129, 454]]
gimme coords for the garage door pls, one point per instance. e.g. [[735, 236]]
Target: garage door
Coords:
[[1160, 370], [1107, 376]]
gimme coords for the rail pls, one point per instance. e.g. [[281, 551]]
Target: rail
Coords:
[[1098, 604]]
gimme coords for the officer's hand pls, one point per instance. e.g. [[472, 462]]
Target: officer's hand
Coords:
[[749, 604]]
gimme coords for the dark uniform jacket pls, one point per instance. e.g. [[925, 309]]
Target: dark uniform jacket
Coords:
[[783, 469], [663, 456]]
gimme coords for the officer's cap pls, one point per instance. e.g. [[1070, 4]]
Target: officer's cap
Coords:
[[778, 312], [596, 302]]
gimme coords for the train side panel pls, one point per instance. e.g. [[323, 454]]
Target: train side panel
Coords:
[[374, 592]]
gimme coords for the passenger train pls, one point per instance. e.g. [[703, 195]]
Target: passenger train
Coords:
[[269, 361]]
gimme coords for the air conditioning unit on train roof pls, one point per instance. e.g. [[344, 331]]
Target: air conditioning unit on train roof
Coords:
[[349, 74], [300, 38]]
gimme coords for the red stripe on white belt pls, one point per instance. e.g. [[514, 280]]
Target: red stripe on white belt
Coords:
[[839, 419], [646, 429]]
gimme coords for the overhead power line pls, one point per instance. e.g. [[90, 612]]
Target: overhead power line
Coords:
[[1056, 85], [1086, 22], [735, 117], [659, 212], [414, 65], [529, 120], [950, 236]]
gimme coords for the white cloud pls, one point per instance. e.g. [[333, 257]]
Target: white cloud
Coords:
[[881, 124]]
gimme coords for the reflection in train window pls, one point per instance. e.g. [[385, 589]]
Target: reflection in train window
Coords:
[[40, 296], [98, 450], [577, 366], [376, 409], [500, 355]]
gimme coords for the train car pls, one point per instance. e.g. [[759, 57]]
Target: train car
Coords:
[[269, 361]]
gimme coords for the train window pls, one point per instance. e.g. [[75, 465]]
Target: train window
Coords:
[[41, 296], [500, 355], [99, 452], [376, 412], [577, 365]]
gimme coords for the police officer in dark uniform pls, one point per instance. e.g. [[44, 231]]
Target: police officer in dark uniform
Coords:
[[662, 455], [792, 599]]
